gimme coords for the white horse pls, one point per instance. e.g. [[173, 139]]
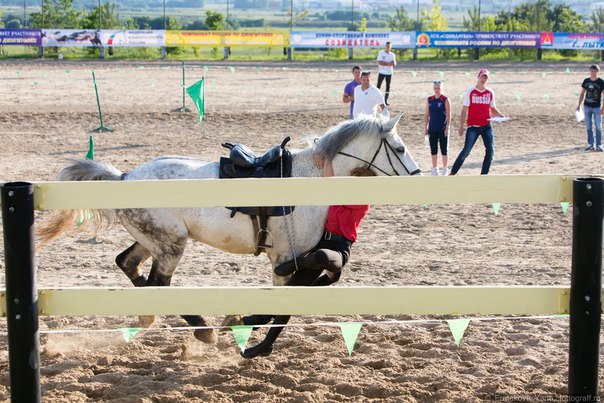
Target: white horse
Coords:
[[162, 234]]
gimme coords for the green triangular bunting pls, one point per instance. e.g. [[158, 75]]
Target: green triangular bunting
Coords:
[[564, 206], [350, 332], [242, 334], [129, 332], [496, 207], [458, 328]]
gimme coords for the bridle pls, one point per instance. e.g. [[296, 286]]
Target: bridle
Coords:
[[384, 143]]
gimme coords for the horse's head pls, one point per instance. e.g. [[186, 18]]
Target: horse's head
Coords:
[[368, 142]]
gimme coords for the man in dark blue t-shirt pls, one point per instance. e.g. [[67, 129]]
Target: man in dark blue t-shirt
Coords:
[[591, 97], [348, 96]]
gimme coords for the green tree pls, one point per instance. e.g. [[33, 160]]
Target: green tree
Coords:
[[12, 24], [597, 20], [109, 18], [1, 19], [214, 20], [567, 20], [57, 14], [433, 19], [401, 21], [363, 25], [472, 23]]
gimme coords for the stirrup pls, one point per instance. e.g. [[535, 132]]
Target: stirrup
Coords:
[[265, 243]]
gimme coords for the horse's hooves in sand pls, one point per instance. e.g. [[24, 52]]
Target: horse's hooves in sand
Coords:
[[206, 335], [258, 350], [146, 320], [231, 320]]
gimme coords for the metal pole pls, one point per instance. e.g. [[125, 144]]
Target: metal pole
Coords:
[[102, 49], [163, 48], [418, 28], [25, 13], [586, 288], [291, 28], [476, 50], [21, 291]]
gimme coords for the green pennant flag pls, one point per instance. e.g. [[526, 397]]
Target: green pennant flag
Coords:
[[564, 206], [414, 73], [90, 153], [242, 334], [196, 93], [567, 70], [496, 207], [458, 328], [442, 74], [518, 96], [232, 69], [350, 332], [129, 332]]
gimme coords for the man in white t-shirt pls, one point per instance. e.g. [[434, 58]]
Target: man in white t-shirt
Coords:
[[386, 61], [368, 100]]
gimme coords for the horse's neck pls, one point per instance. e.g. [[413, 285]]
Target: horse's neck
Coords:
[[303, 164]]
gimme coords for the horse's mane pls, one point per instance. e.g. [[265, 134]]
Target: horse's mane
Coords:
[[339, 136]]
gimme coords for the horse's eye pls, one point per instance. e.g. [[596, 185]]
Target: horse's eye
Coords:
[[401, 149]]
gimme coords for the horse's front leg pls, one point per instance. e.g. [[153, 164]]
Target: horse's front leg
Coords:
[[131, 261], [265, 347]]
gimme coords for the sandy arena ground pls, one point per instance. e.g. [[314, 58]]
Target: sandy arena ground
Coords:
[[48, 108]]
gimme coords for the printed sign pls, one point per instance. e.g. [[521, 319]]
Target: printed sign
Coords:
[[478, 39], [580, 41], [21, 37], [224, 38], [134, 37], [71, 37], [351, 39]]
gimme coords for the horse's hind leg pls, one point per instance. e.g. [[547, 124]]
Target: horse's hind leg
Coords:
[[163, 267], [131, 261]]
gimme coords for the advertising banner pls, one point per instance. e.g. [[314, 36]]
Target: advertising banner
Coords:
[[21, 37], [224, 38], [127, 38], [571, 40], [432, 39], [71, 37], [351, 39]]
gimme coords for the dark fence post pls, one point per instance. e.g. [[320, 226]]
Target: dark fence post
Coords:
[[21, 291], [586, 288]]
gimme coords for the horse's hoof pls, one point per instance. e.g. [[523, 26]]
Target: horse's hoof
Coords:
[[256, 351], [206, 335], [231, 320], [146, 321]]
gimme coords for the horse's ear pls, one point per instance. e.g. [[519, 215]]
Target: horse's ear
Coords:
[[391, 124]]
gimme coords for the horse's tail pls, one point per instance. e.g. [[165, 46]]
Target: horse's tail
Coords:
[[63, 220]]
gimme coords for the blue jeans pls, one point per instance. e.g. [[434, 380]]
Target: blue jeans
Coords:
[[595, 113], [472, 134]]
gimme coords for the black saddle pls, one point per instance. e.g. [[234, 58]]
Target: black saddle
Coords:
[[244, 163]]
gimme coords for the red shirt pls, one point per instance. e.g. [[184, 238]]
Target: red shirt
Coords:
[[479, 105], [344, 220]]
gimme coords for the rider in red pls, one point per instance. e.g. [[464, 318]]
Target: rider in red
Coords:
[[333, 250]]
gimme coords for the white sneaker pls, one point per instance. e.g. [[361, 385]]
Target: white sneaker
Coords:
[[444, 171], [434, 172]]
